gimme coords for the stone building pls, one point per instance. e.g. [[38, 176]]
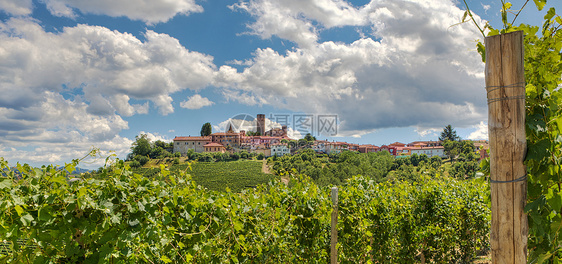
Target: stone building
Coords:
[[183, 144]]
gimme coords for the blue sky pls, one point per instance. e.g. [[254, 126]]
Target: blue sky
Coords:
[[81, 74]]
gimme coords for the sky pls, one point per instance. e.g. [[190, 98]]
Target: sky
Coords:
[[81, 74]]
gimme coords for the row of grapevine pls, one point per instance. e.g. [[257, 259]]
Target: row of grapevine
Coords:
[[439, 221], [122, 217]]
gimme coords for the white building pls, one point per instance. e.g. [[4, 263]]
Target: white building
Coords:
[[279, 150], [430, 151]]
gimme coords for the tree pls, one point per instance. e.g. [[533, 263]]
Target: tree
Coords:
[[252, 133], [160, 143], [452, 148], [467, 147], [309, 137], [206, 129], [156, 152], [449, 134], [141, 146]]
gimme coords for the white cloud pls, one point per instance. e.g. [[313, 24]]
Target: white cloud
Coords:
[[108, 66], [153, 137], [480, 133], [100, 71], [16, 7], [294, 134], [294, 19], [423, 132], [149, 11], [196, 102], [415, 70], [57, 130], [485, 7]]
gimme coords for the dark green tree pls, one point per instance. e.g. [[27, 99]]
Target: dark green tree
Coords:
[[452, 148], [160, 143], [309, 137], [449, 134], [141, 146], [206, 129]]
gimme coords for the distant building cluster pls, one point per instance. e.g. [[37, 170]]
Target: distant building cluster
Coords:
[[275, 142]]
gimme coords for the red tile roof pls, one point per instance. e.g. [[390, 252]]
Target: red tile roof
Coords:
[[213, 145], [225, 134], [436, 147], [192, 139]]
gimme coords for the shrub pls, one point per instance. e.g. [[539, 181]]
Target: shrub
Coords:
[[135, 164], [142, 159]]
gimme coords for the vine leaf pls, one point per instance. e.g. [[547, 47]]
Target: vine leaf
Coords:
[[540, 4]]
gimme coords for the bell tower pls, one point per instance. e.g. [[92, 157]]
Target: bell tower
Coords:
[[260, 122]]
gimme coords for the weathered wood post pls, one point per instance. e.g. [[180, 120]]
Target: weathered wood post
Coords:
[[334, 224], [505, 86]]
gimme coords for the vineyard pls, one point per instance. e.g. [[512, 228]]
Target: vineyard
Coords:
[[123, 217], [217, 176]]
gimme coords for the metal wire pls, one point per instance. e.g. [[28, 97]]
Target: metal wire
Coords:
[[514, 85], [493, 100], [522, 178]]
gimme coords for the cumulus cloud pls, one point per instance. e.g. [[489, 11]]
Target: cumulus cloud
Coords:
[[55, 129], [149, 11], [153, 137], [100, 71], [109, 67], [16, 7], [294, 20], [480, 133], [196, 102], [413, 70], [423, 132]]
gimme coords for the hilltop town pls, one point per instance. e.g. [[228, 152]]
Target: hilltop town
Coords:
[[275, 142]]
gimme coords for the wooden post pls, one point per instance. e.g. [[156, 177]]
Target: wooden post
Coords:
[[505, 85], [334, 237]]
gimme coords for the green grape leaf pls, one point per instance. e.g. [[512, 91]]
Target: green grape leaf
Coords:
[[540, 4], [5, 183], [26, 219]]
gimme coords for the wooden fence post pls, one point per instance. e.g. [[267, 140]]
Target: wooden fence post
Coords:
[[505, 86], [334, 224]]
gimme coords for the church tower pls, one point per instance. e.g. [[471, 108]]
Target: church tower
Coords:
[[260, 122]]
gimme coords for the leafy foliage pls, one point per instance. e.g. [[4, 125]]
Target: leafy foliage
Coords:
[[439, 220], [543, 71], [141, 146], [123, 217], [206, 129], [336, 169]]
